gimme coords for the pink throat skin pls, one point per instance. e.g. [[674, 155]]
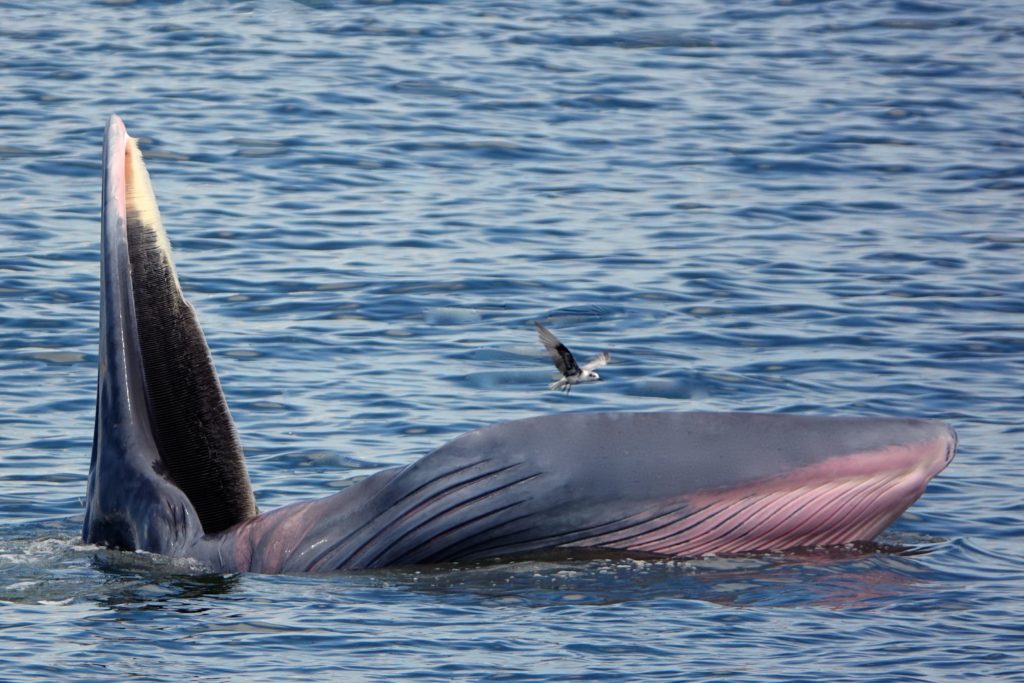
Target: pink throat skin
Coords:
[[844, 499]]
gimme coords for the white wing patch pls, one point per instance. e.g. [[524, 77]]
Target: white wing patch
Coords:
[[599, 361]]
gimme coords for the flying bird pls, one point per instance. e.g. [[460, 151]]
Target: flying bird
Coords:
[[566, 364]]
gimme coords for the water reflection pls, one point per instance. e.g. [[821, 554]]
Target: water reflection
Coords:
[[852, 576], [859, 576]]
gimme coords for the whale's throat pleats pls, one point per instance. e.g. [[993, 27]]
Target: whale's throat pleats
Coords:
[[199, 448]]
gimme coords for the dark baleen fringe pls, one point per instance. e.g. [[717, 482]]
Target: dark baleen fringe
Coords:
[[191, 423]]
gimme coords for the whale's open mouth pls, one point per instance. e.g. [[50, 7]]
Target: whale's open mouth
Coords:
[[167, 473]]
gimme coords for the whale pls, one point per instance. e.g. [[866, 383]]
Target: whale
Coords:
[[167, 473]]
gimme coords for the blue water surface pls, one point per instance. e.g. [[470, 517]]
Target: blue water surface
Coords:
[[791, 206]]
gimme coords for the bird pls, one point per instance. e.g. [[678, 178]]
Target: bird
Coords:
[[566, 364]]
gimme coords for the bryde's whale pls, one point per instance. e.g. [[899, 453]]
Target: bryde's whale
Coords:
[[167, 473]]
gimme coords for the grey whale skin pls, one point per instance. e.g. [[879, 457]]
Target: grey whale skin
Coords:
[[167, 473]]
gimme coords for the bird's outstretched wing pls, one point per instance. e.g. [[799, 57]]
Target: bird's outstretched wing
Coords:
[[598, 361], [560, 355]]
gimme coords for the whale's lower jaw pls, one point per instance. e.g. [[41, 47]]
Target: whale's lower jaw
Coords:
[[848, 499], [504, 491]]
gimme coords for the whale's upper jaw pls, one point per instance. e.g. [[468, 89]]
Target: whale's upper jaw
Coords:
[[166, 464]]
